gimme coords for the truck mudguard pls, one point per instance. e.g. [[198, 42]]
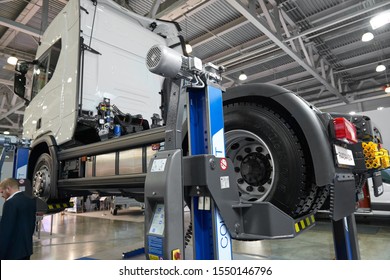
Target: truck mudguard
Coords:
[[306, 117]]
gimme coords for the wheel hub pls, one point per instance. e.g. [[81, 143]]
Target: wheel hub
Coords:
[[253, 164], [41, 182], [255, 169]]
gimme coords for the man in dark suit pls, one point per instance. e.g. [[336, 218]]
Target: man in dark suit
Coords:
[[17, 223]]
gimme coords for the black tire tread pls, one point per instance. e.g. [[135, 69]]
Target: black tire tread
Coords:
[[307, 193]]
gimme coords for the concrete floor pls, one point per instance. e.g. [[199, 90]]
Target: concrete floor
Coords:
[[99, 235]]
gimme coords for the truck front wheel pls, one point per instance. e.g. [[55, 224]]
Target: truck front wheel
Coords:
[[268, 158], [41, 177]]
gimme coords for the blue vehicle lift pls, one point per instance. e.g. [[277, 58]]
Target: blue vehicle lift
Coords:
[[20, 148], [207, 137], [205, 179]]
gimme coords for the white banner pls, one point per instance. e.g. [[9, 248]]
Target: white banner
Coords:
[[199, 270]]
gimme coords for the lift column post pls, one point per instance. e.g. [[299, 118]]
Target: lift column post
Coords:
[[345, 240], [164, 184], [206, 129], [20, 149], [343, 203], [164, 215], [20, 162]]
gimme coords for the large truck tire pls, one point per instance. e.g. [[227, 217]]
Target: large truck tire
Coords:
[[268, 158], [41, 177]]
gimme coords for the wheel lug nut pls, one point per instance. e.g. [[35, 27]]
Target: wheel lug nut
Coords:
[[261, 189], [249, 188], [237, 169], [259, 149], [269, 181], [240, 180], [239, 158], [235, 146], [248, 150]]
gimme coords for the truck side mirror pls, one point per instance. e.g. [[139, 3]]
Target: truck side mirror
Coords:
[[20, 79], [22, 67], [20, 86]]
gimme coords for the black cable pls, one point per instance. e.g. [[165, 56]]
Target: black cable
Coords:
[[93, 22]]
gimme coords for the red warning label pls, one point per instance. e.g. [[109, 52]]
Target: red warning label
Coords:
[[223, 163]]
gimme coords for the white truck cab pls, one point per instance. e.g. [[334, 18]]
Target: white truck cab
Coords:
[[91, 51]]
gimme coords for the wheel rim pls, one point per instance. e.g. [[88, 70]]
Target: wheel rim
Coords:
[[253, 164], [41, 182]]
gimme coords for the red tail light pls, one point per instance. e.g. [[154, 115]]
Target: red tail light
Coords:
[[345, 131]]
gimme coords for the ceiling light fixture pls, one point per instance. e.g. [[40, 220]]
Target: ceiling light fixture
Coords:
[[352, 113], [380, 68], [6, 132], [368, 36], [380, 20], [242, 76], [188, 48], [380, 108], [387, 88], [12, 60]]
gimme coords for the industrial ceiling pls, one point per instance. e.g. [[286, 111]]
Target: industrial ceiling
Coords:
[[312, 47]]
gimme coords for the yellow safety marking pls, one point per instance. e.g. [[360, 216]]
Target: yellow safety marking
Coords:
[[50, 207], [297, 227], [153, 257], [308, 221], [64, 205], [58, 205], [312, 219], [303, 224]]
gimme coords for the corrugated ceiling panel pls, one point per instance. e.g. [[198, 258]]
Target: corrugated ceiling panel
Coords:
[[360, 48], [24, 43], [242, 34], [54, 10], [314, 6], [375, 56], [344, 40], [380, 34], [209, 48], [141, 7], [216, 15], [363, 50], [229, 40], [10, 10], [270, 65], [283, 60], [278, 75], [208, 19], [190, 29]]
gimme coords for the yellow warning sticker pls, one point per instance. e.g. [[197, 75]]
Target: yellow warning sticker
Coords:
[[153, 257]]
